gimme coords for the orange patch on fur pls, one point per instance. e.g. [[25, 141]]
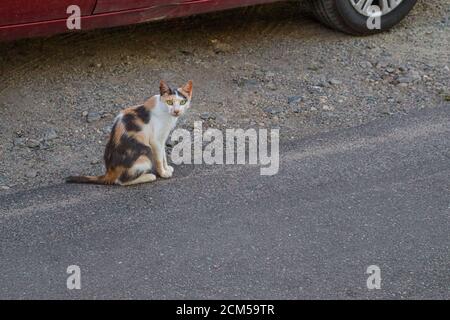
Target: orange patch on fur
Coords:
[[119, 131], [150, 103]]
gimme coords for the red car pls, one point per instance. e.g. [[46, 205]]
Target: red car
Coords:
[[30, 18]]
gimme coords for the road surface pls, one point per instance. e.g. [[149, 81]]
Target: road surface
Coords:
[[378, 194]]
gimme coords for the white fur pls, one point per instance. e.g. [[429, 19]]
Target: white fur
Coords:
[[162, 122]]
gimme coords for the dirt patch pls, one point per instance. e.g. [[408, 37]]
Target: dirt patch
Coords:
[[264, 66]]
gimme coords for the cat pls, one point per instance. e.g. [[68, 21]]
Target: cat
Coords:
[[138, 139]]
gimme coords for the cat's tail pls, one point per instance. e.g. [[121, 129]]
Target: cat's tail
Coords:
[[89, 179]]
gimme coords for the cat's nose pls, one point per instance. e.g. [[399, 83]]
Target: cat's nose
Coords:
[[176, 112]]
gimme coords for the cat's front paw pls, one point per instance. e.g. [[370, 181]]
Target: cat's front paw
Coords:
[[170, 169], [166, 174]]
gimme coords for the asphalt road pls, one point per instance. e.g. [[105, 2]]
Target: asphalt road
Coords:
[[372, 195]]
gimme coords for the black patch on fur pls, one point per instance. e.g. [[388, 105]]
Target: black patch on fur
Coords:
[[125, 153], [143, 114], [129, 120]]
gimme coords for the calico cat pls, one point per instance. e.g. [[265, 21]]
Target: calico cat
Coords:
[[138, 139]]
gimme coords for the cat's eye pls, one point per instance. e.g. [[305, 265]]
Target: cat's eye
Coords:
[[169, 102], [183, 102]]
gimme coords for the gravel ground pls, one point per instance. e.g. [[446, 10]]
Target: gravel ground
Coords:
[[264, 66]]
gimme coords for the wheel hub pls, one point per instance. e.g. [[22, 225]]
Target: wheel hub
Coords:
[[364, 6]]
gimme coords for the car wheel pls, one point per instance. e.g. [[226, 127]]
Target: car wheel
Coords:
[[361, 17]]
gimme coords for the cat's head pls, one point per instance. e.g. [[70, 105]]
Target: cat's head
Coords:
[[178, 100]]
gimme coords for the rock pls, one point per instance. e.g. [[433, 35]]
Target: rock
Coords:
[[84, 114], [405, 80], [382, 64], [297, 109], [366, 64], [315, 89], [93, 116], [32, 143], [31, 174], [314, 67], [107, 129], [390, 70], [327, 108], [4, 188], [50, 134], [294, 99], [248, 83], [187, 52], [95, 161], [221, 47], [19, 142], [206, 116], [335, 82], [409, 77], [313, 109], [272, 86], [273, 111]]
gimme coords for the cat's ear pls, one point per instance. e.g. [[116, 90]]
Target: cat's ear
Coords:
[[188, 88], [164, 88]]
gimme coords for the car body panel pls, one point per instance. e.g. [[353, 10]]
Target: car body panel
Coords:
[[104, 6], [28, 11], [110, 13]]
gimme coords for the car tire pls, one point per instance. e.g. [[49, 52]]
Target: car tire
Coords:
[[344, 16]]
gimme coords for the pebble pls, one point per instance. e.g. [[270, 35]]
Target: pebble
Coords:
[[410, 77], [4, 187], [206, 116], [328, 108], [249, 83], [50, 134], [294, 99], [221, 47], [32, 143], [107, 129], [366, 64], [19, 142], [382, 64], [335, 82], [93, 116], [273, 111], [297, 109], [31, 174], [272, 86]]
